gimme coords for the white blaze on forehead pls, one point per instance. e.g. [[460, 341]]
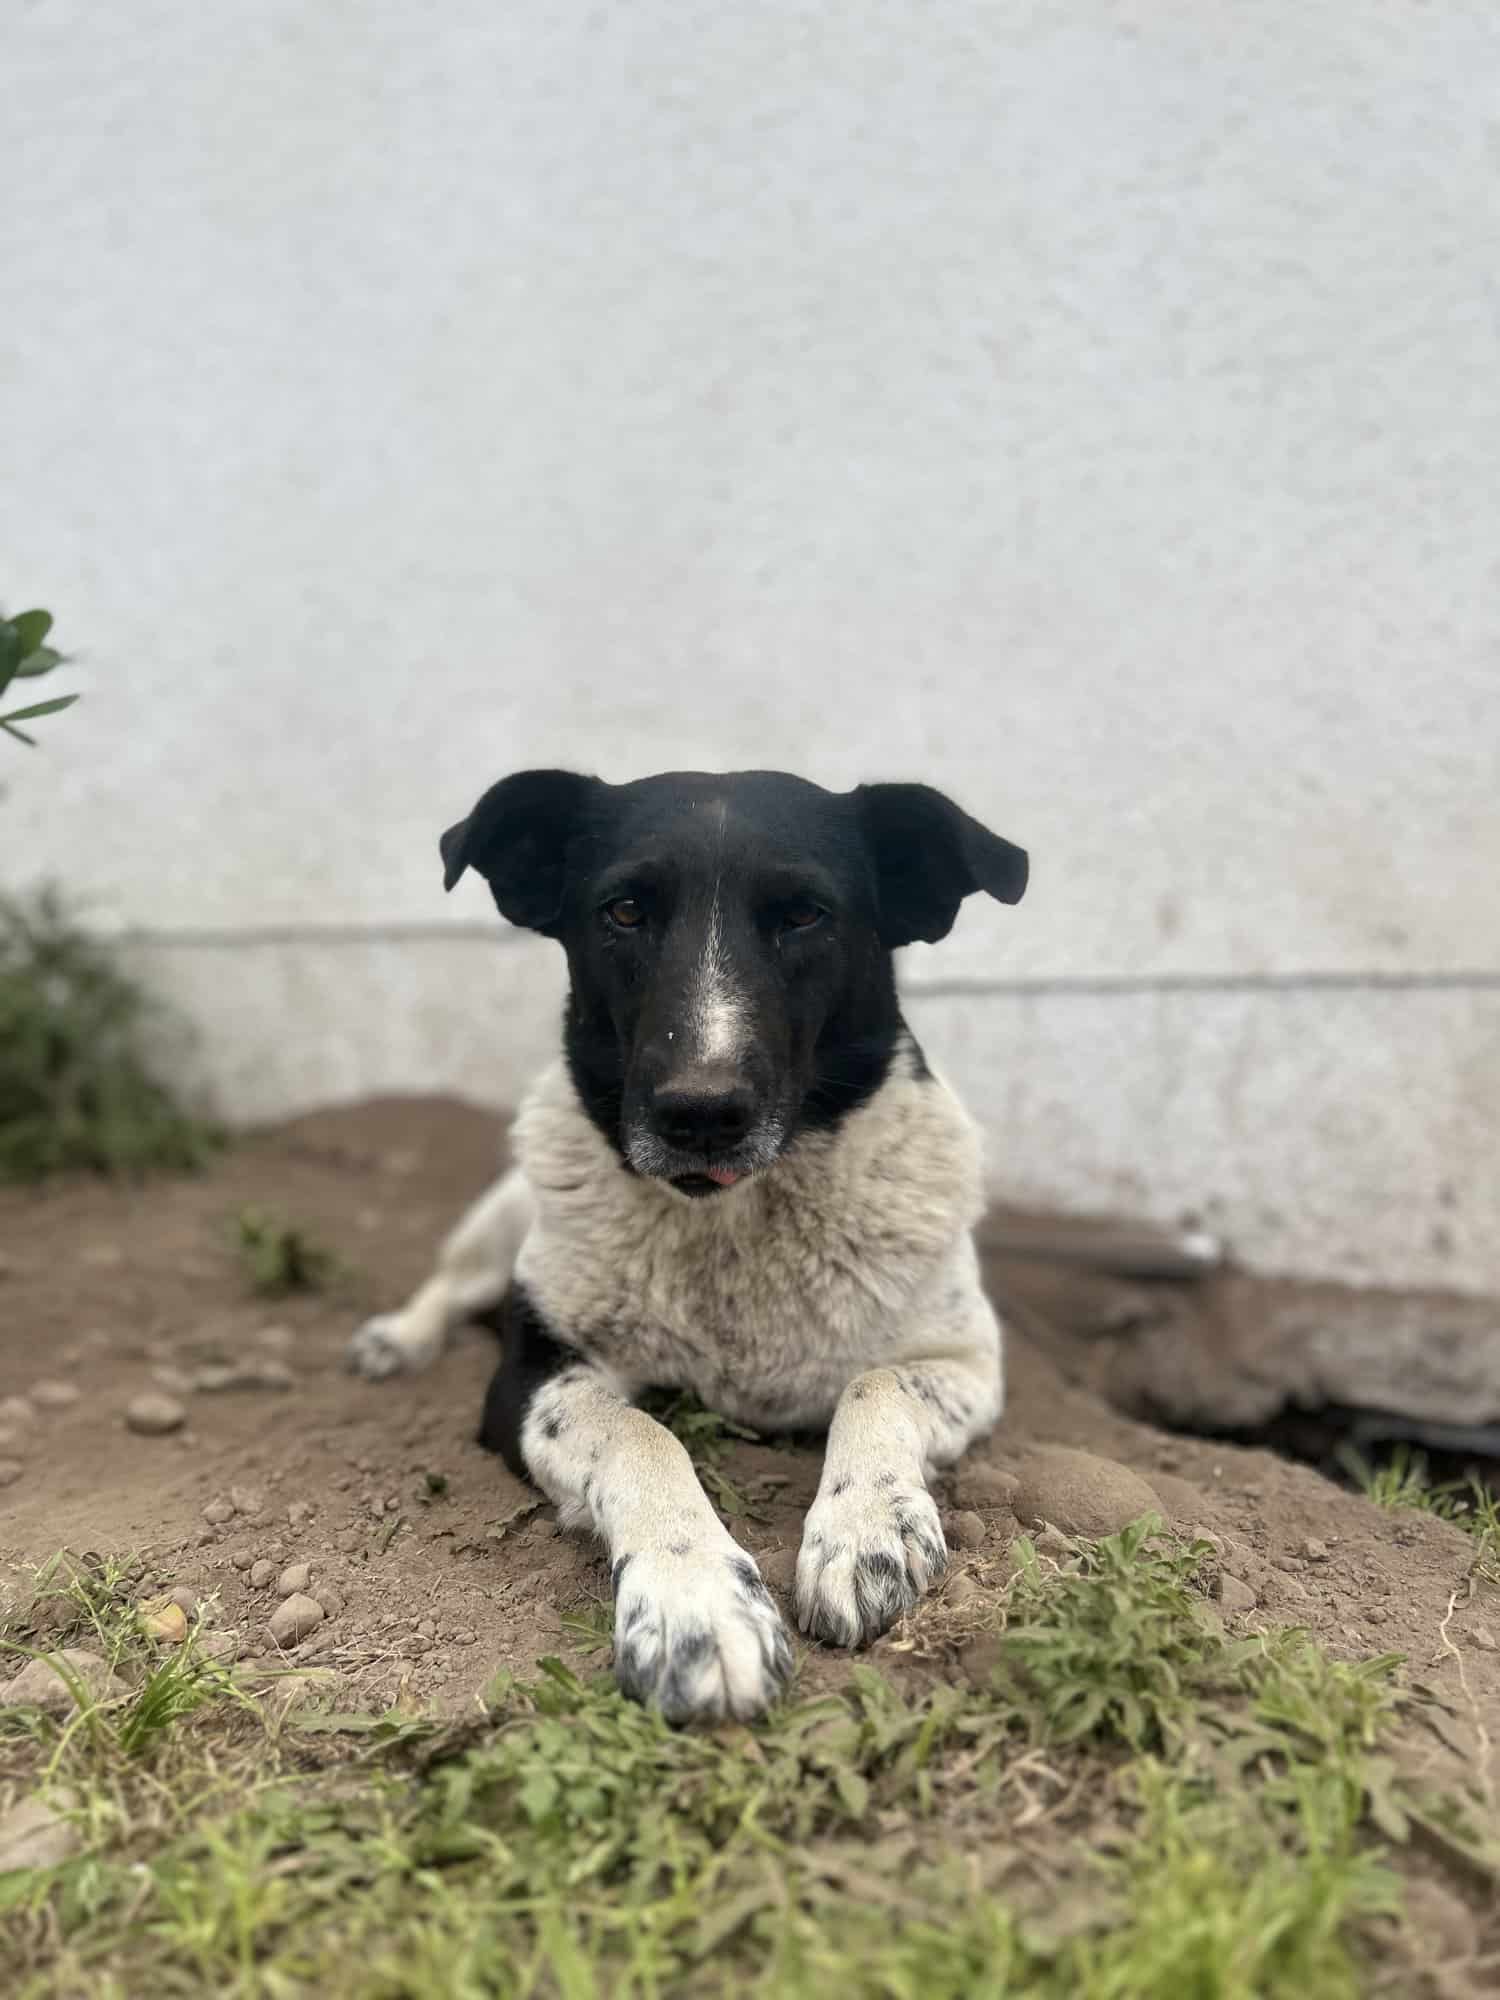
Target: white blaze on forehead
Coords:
[[716, 1011]]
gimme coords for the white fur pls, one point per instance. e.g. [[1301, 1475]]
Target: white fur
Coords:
[[838, 1286], [717, 1013]]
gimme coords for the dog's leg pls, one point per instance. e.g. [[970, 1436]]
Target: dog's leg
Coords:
[[696, 1631], [473, 1270], [872, 1542]]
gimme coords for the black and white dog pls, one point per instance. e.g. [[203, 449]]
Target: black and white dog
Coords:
[[742, 1180]]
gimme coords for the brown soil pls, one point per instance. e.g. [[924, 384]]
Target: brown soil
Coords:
[[429, 1591]]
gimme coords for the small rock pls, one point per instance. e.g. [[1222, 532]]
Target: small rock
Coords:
[[299, 1514], [292, 1621], [16, 1410], [224, 1647], [330, 1599], [184, 1598], [217, 1512], [1234, 1595], [1079, 1493], [54, 1395], [347, 1540], [984, 1486], [164, 1620], [960, 1590], [261, 1573], [242, 1559], [1482, 1637], [966, 1530], [39, 1685], [246, 1500], [778, 1569], [427, 1629], [1314, 1550], [10, 1471], [467, 1638], [154, 1415], [293, 1579], [176, 1381], [35, 1835], [392, 1503]]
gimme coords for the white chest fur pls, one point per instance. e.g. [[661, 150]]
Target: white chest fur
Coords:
[[852, 1252]]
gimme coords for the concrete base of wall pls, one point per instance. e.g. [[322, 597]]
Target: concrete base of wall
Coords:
[[1338, 1131]]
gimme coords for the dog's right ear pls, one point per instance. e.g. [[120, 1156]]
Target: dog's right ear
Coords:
[[517, 838]]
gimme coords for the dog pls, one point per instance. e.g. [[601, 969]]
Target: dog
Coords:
[[742, 1179]]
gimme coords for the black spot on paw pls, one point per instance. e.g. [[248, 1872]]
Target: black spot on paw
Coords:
[[553, 1427], [617, 1572], [677, 1548], [839, 1486], [747, 1580]]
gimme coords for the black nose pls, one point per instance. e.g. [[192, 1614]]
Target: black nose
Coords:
[[706, 1116]]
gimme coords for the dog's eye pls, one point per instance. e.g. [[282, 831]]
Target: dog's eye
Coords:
[[801, 916], [625, 913]]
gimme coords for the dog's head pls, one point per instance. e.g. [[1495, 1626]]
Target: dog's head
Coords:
[[729, 942]]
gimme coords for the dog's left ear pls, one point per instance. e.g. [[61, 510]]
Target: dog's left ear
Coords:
[[517, 838], [928, 856]]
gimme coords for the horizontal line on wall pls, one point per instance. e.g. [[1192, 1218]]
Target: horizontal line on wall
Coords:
[[960, 987]]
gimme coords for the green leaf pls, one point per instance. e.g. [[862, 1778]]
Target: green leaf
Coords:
[[39, 708], [10, 653], [33, 627], [42, 661]]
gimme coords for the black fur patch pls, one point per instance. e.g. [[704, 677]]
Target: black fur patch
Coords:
[[530, 1357]]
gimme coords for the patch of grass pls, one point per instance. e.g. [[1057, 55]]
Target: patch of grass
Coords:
[[1404, 1482], [873, 1843], [1116, 1643], [77, 1087], [279, 1258]]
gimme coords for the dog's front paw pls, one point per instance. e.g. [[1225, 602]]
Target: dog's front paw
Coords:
[[380, 1348], [696, 1634], [868, 1553]]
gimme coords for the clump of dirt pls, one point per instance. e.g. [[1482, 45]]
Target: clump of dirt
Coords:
[[365, 1522]]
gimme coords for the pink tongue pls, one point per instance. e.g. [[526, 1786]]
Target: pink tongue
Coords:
[[722, 1176]]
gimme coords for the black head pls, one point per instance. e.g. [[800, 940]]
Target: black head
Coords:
[[729, 943]]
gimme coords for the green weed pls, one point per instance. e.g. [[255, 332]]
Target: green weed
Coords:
[[77, 1087], [278, 1258]]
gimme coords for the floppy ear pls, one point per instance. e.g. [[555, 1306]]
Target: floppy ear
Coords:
[[928, 856], [517, 838]]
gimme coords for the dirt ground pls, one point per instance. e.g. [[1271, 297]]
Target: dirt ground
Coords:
[[434, 1567]]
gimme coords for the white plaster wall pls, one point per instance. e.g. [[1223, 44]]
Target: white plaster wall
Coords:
[[1094, 409]]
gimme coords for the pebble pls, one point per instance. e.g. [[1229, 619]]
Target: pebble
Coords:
[[467, 1638], [35, 1835], [1079, 1493], [294, 1620], [1233, 1594], [39, 1685], [967, 1530], [165, 1621], [961, 1590], [217, 1512], [221, 1646], [241, 1558], [261, 1573], [1314, 1550], [984, 1486], [331, 1600], [299, 1514], [1483, 1638], [54, 1395], [176, 1381], [427, 1629], [154, 1415], [778, 1569], [218, 1377], [16, 1410], [182, 1596], [246, 1500], [294, 1578], [347, 1540], [10, 1471]]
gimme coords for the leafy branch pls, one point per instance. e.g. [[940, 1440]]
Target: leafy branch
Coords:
[[25, 655]]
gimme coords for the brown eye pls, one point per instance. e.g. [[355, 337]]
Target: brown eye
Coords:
[[801, 916], [625, 913]]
